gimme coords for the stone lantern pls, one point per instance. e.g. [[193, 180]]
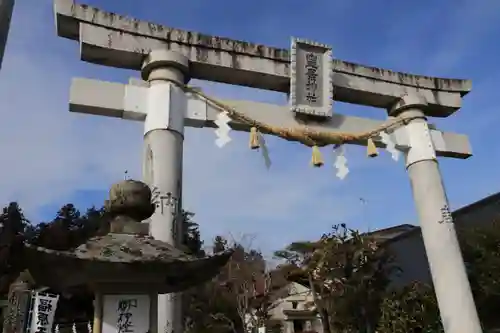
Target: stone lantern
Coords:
[[126, 269]]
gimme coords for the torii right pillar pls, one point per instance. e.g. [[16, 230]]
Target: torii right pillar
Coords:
[[453, 292]]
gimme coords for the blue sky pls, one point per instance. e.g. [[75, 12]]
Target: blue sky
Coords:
[[54, 157]]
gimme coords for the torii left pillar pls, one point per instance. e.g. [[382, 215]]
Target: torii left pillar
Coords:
[[165, 71]]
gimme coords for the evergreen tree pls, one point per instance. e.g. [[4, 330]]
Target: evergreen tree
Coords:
[[219, 245], [192, 238], [13, 226]]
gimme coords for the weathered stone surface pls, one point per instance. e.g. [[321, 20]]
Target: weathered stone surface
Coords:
[[115, 40], [16, 314], [17, 311], [123, 248], [139, 263], [130, 198], [123, 260]]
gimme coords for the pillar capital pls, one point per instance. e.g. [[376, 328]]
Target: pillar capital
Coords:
[[407, 101], [165, 65]]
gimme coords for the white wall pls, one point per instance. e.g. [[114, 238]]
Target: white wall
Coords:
[[296, 292]]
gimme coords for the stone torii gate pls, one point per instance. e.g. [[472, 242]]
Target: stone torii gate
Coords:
[[168, 58]]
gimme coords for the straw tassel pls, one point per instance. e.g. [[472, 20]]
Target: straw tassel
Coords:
[[371, 149], [254, 138], [316, 159]]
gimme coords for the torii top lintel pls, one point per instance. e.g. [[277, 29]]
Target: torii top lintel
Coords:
[[118, 41]]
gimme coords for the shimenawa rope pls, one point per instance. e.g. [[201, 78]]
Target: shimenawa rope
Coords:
[[305, 135]]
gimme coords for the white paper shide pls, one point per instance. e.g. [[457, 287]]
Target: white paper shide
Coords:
[[126, 314], [390, 145], [341, 163], [223, 129], [44, 309]]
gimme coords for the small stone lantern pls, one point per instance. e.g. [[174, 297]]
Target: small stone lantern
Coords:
[[126, 269]]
